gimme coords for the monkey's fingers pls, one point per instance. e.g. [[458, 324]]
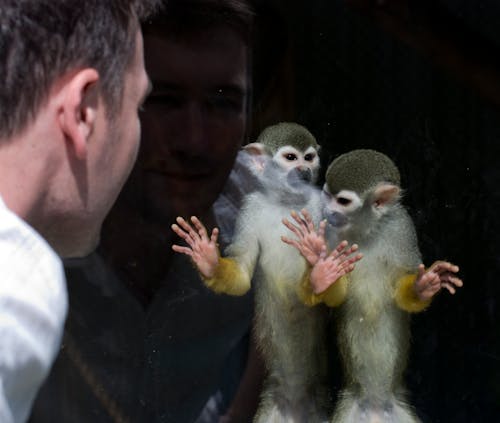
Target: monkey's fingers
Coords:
[[321, 228], [352, 259], [452, 279], [291, 242], [345, 270], [310, 254], [182, 250], [300, 221], [187, 227], [215, 235], [183, 234], [338, 251], [308, 220], [420, 272], [202, 231], [441, 266], [304, 250], [451, 289], [351, 250], [178, 230], [293, 228]]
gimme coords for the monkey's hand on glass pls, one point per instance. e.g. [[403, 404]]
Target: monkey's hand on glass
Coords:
[[202, 249], [326, 268], [311, 244], [441, 274]]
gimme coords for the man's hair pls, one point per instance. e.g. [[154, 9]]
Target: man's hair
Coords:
[[41, 40], [185, 18]]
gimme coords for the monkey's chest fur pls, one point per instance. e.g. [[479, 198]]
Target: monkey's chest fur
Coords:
[[373, 332], [290, 334]]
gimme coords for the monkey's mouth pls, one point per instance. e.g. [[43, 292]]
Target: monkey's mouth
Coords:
[[299, 177]]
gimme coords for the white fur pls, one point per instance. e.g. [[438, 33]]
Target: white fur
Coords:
[[289, 334], [373, 333]]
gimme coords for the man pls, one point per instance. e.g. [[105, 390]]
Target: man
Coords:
[[73, 79], [145, 340]]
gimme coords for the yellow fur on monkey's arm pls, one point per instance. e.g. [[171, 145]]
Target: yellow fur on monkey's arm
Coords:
[[332, 297], [406, 297], [229, 278]]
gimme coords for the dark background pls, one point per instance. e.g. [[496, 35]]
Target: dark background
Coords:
[[358, 84]]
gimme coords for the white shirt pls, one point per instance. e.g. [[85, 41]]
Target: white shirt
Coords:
[[33, 307]]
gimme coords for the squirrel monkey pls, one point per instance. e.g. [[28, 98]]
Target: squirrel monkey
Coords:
[[289, 334], [361, 200]]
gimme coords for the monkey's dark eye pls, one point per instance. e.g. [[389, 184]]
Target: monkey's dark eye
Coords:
[[290, 157], [309, 157], [343, 201]]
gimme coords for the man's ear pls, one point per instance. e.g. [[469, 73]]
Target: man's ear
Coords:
[[79, 109]]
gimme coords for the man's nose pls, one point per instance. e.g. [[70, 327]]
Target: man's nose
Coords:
[[192, 130]]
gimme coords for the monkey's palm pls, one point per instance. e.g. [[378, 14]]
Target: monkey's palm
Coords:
[[205, 255], [202, 249], [312, 247], [440, 275], [328, 270], [310, 243]]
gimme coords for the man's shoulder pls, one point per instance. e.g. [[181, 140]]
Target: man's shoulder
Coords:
[[24, 252]]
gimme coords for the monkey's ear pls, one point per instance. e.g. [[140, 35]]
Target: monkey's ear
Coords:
[[386, 194], [255, 149], [258, 156]]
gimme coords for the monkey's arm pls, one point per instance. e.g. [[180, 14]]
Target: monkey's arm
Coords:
[[233, 273], [221, 275], [324, 281], [228, 278], [406, 296], [415, 292]]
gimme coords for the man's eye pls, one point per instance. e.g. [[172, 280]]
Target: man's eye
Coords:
[[343, 201], [290, 157], [224, 103]]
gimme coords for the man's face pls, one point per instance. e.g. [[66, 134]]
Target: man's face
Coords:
[[194, 120]]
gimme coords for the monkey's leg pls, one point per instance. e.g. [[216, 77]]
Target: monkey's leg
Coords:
[[353, 409], [271, 412]]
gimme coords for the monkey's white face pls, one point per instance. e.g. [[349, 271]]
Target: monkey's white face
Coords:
[[339, 206], [356, 216], [306, 162]]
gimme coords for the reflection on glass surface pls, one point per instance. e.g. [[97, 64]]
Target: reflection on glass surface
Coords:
[[418, 81]]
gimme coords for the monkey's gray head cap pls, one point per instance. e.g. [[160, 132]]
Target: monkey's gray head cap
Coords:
[[287, 133], [359, 170]]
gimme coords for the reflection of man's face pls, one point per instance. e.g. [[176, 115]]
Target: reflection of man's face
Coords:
[[194, 120]]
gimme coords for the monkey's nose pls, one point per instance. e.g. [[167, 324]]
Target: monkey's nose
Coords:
[[305, 174], [336, 219]]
